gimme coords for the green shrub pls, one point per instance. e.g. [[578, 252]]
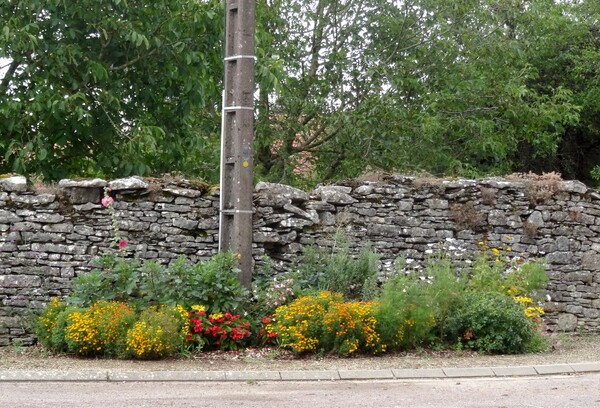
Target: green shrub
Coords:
[[46, 324], [213, 283], [337, 271], [413, 310], [114, 279], [513, 276], [492, 323], [405, 318]]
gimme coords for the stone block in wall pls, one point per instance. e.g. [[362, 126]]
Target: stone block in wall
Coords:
[[591, 261], [33, 200], [559, 258], [185, 223], [14, 183], [9, 217], [384, 230], [20, 281], [58, 248], [573, 186], [364, 190], [41, 237], [310, 215], [326, 218], [567, 322], [295, 223], [497, 217], [277, 195], [182, 192], [437, 204], [83, 191], [335, 194], [274, 237], [319, 206], [128, 184]]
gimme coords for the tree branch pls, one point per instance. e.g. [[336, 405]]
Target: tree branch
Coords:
[[133, 61], [8, 76]]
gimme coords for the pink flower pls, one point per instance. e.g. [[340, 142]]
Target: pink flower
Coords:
[[107, 201], [123, 243]]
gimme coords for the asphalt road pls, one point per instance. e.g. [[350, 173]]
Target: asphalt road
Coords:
[[580, 390]]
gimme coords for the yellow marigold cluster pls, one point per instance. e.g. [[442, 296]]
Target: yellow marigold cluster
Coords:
[[354, 325], [90, 331], [48, 319], [155, 335], [81, 331], [326, 321], [298, 324], [184, 317], [144, 340]]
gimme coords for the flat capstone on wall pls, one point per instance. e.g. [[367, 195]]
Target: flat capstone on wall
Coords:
[[48, 235]]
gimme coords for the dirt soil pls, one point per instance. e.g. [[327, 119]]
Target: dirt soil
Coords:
[[566, 349]]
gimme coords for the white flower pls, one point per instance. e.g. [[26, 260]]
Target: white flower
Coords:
[[409, 261]]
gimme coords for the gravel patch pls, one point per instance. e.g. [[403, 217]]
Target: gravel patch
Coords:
[[569, 349]]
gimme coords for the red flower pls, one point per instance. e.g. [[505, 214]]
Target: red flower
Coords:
[[265, 320], [122, 244]]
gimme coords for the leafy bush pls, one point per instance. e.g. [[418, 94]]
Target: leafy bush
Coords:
[[513, 276], [492, 323], [338, 271], [213, 283], [413, 309], [115, 279], [46, 324], [405, 318]]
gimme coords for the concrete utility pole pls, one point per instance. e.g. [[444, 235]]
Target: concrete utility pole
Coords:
[[235, 221]]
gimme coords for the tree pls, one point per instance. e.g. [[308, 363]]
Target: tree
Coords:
[[566, 55], [445, 87], [110, 87], [467, 87]]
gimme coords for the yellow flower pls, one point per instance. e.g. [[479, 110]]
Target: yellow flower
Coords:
[[198, 308]]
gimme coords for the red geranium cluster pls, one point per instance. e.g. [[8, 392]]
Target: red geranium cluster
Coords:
[[267, 333], [223, 331]]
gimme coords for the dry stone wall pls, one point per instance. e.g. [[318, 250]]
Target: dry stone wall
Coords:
[[48, 235]]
